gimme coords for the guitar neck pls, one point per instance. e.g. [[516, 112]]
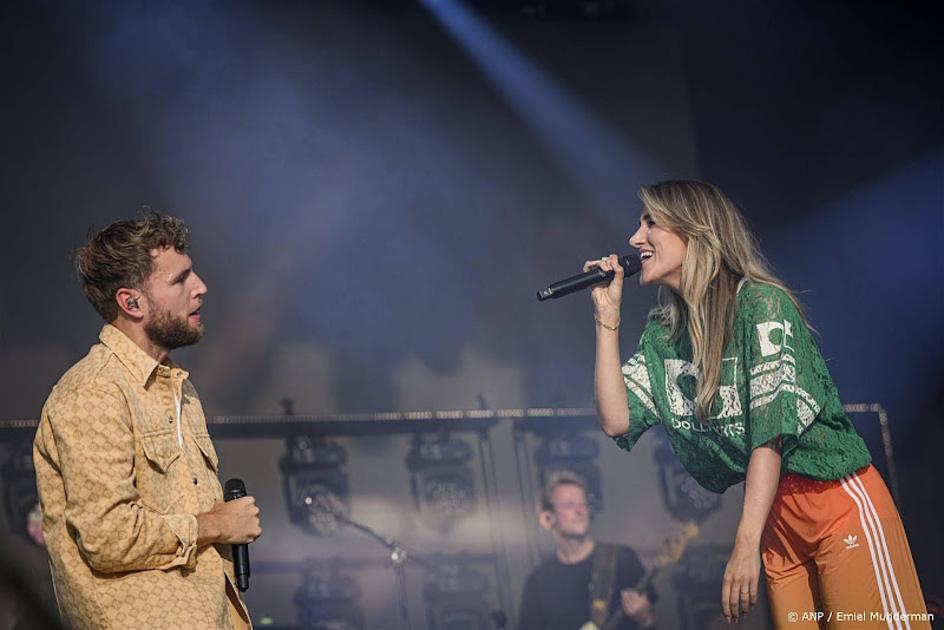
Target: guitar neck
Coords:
[[670, 553]]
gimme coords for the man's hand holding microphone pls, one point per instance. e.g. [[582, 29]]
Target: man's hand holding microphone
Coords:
[[236, 522]]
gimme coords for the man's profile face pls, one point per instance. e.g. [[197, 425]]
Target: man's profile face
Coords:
[[174, 297], [571, 511]]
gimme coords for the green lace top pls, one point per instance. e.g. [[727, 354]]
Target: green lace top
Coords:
[[774, 383]]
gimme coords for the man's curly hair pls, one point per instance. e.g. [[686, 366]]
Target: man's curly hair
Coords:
[[120, 256]]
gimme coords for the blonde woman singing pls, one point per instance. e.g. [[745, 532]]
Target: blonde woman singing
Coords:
[[728, 366]]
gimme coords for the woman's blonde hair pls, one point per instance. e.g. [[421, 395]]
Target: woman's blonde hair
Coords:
[[721, 250]]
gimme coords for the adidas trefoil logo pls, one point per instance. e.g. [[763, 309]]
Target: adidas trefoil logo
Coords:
[[850, 541]]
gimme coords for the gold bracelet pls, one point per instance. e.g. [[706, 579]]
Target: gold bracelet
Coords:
[[613, 328]]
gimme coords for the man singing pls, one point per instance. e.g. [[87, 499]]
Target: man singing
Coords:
[[135, 528]]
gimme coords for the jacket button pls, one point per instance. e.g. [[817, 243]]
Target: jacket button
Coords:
[[194, 481]]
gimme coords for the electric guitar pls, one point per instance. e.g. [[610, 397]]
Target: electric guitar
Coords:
[[669, 553]]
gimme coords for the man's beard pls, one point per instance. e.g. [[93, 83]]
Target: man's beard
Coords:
[[167, 331]]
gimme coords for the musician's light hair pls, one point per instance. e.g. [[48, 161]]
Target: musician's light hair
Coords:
[[554, 481], [720, 251]]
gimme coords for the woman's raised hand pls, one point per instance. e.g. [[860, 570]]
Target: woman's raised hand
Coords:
[[607, 295]]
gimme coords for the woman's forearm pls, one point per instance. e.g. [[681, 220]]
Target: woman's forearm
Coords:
[[742, 573], [763, 476], [608, 385]]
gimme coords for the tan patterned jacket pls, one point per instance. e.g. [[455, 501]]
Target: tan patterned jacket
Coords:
[[119, 495]]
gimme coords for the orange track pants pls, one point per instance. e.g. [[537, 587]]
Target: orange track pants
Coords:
[[836, 556]]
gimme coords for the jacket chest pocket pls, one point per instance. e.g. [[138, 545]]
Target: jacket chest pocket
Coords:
[[159, 477], [205, 444], [210, 484]]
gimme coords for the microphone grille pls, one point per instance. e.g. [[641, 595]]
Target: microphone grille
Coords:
[[234, 489], [630, 264]]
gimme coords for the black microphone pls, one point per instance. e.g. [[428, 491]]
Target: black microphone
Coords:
[[236, 489], [630, 264]]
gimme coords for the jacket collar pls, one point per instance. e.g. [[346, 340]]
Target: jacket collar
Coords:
[[137, 361]]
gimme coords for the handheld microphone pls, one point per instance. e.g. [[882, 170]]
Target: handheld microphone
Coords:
[[630, 264], [236, 489]]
